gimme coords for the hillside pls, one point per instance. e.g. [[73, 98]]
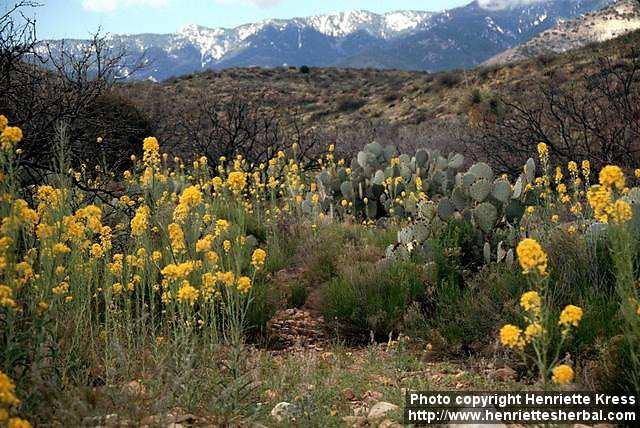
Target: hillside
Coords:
[[608, 23], [341, 97]]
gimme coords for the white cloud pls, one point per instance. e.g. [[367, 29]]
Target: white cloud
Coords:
[[111, 5], [503, 4], [263, 4]]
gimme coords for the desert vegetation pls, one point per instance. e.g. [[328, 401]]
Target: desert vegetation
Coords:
[[171, 256], [138, 294]]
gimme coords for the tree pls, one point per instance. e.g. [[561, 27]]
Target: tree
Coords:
[[44, 87], [596, 117]]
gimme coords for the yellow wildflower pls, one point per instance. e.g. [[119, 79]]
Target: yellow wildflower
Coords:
[[236, 181], [60, 248], [140, 221], [204, 244], [181, 270], [258, 258], [511, 337], [244, 284], [570, 316], [543, 150], [562, 374], [621, 211], [177, 238], [96, 251], [10, 136], [187, 293], [531, 256], [151, 151], [7, 391], [612, 176], [532, 331], [191, 197], [6, 297], [531, 302]]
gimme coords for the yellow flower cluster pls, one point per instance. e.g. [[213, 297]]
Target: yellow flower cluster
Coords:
[[6, 297], [611, 176], [531, 302], [140, 221], [531, 256], [8, 400], [562, 374], [9, 135], [151, 151], [258, 258], [237, 181], [177, 238], [511, 337], [601, 197], [570, 316], [543, 150], [191, 197], [244, 284], [181, 270], [187, 293]]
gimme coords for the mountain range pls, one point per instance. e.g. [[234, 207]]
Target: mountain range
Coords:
[[411, 40]]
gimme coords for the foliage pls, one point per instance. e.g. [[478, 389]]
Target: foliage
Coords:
[[184, 262], [372, 298]]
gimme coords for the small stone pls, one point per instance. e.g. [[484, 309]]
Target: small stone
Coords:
[[348, 394], [504, 374], [361, 411], [581, 426], [285, 411], [371, 396], [380, 409]]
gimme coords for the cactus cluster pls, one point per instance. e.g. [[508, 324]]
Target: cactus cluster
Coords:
[[380, 182], [492, 205]]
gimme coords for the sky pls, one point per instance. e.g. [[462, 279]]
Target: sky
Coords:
[[78, 18]]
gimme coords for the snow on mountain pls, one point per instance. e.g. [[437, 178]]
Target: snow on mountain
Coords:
[[217, 42], [460, 37]]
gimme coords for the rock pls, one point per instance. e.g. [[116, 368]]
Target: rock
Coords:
[[186, 418], [504, 374], [348, 394], [285, 411], [380, 409], [581, 426], [372, 396], [297, 328], [360, 411]]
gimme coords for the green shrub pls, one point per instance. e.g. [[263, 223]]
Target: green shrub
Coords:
[[372, 297], [348, 104], [469, 316], [449, 79], [297, 295]]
